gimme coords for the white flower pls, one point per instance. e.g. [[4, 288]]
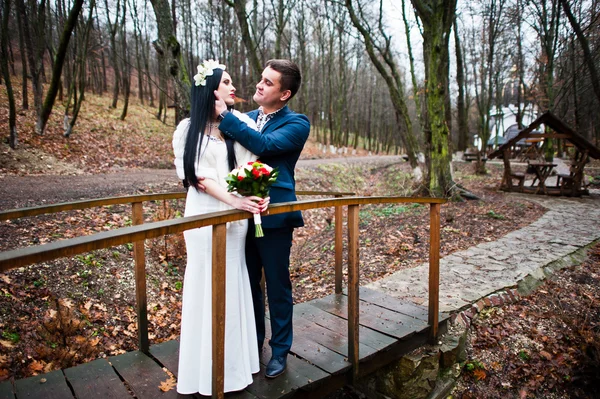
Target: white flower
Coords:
[[206, 69]]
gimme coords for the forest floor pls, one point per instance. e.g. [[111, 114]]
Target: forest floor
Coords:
[[68, 311]]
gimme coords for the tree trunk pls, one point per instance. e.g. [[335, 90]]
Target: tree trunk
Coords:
[[172, 57], [34, 54], [585, 46], [112, 34], [239, 6], [138, 57], [24, 94], [12, 111], [461, 108], [126, 68], [437, 21], [58, 65], [411, 60]]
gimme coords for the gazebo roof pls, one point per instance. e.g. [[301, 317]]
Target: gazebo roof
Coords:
[[561, 131]]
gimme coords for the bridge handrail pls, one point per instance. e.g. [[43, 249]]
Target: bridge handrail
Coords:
[[138, 233], [128, 199]]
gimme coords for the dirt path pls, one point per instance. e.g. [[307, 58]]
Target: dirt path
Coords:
[[22, 191]]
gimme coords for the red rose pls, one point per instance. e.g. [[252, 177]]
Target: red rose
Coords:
[[264, 171], [240, 178], [256, 173]]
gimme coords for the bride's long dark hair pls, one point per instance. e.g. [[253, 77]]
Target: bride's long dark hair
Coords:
[[202, 110]]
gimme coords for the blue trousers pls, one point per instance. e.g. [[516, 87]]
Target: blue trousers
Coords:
[[272, 252]]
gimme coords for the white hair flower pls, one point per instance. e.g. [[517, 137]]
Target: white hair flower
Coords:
[[206, 69]]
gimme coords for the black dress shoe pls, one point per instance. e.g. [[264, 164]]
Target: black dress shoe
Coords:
[[276, 366]]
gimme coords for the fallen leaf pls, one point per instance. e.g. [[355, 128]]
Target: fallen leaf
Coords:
[[5, 278], [167, 385], [6, 344], [100, 306], [479, 374], [546, 355], [66, 302], [36, 366]]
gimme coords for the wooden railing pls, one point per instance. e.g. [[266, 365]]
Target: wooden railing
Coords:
[[137, 216], [140, 232]]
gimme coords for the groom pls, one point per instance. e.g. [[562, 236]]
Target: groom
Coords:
[[279, 143]]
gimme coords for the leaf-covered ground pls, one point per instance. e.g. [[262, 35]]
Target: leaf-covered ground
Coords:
[[545, 346], [73, 310]]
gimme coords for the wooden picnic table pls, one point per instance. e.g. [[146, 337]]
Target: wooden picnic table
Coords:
[[541, 171]]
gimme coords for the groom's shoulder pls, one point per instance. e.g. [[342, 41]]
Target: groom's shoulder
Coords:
[[252, 114], [299, 117]]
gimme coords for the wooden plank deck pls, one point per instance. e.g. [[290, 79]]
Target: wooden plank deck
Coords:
[[317, 366]]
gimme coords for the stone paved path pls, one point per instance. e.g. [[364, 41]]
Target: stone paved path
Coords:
[[469, 275]]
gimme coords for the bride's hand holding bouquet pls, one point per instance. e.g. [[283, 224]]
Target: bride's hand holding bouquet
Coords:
[[253, 179]]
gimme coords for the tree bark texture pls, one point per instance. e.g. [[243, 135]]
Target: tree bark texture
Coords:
[[58, 66], [437, 17], [172, 57], [12, 110], [585, 46], [461, 107], [35, 50]]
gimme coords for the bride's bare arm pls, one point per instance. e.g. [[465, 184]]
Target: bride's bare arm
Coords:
[[250, 204]]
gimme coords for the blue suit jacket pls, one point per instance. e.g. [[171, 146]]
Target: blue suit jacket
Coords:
[[278, 145]]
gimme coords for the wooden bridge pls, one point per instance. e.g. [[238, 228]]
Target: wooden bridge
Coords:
[[337, 339]]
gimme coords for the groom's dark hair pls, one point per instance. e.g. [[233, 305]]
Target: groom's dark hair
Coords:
[[290, 75]]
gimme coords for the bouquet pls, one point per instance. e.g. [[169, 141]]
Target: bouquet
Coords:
[[253, 179]]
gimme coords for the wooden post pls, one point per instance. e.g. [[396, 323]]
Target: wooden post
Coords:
[[140, 281], [434, 270], [338, 248], [219, 235], [353, 285]]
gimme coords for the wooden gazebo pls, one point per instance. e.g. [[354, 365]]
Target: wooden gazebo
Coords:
[[567, 184]]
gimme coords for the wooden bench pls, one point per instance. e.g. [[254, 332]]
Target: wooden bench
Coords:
[[469, 156], [520, 177], [571, 184]]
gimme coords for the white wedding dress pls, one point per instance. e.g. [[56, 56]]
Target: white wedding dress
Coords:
[[195, 348]]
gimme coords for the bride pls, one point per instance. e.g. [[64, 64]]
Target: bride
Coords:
[[201, 150]]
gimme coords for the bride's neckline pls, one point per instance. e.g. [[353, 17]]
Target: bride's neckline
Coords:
[[213, 132]]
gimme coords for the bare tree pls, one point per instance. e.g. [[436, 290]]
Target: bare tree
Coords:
[[171, 57], [58, 66], [461, 106], [24, 95], [252, 51], [381, 55], [125, 64], [78, 84], [585, 46], [34, 21], [12, 113], [545, 16], [437, 17]]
